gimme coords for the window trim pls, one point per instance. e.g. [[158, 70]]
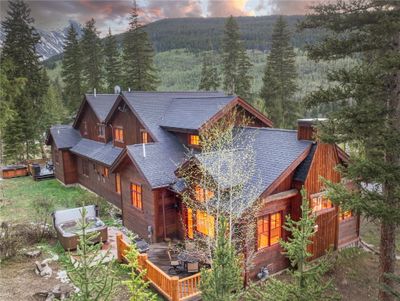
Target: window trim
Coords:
[[202, 194], [324, 198], [269, 244], [345, 215], [119, 128], [144, 133], [138, 194], [85, 168]]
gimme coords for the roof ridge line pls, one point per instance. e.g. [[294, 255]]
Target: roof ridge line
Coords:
[[269, 129]]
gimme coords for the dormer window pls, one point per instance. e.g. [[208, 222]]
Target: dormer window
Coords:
[[202, 194], [119, 134], [194, 140], [101, 128], [145, 137], [320, 202]]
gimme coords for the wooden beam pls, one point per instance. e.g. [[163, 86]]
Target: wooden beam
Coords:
[[281, 195]]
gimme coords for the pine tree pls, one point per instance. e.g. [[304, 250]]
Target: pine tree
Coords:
[[243, 81], [137, 285], [279, 80], [138, 57], [72, 70], [112, 62], [368, 112], [230, 54], [92, 57], [210, 79], [224, 280], [89, 269], [22, 133], [235, 62], [307, 282]]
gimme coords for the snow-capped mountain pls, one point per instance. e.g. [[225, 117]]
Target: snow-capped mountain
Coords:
[[51, 42]]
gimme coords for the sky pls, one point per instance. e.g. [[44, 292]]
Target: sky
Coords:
[[54, 14]]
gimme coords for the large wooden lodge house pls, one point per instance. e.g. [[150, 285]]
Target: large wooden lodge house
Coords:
[[127, 147]]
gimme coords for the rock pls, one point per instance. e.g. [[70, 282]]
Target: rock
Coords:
[[50, 297], [63, 276], [43, 269], [40, 296], [62, 291], [34, 253]]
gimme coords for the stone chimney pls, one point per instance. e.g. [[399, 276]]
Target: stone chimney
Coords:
[[306, 128]]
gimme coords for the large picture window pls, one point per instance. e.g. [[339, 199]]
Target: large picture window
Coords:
[[269, 229], [205, 223], [136, 195], [119, 134]]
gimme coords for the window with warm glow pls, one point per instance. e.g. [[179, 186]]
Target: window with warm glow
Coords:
[[136, 195], [119, 134], [320, 202], [145, 137], [202, 194], [344, 215], [118, 183], [106, 172], [269, 229], [190, 233], [205, 223], [101, 128], [194, 140]]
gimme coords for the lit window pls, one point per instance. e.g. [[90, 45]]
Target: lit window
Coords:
[[101, 128], [194, 140], [136, 196], [320, 202], [203, 194], [145, 137], [344, 215], [269, 229], [205, 223], [106, 172], [190, 223], [119, 134], [118, 183]]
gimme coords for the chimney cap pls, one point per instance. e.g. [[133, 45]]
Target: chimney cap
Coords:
[[311, 120]]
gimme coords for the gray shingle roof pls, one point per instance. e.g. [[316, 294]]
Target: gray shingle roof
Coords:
[[64, 136], [192, 113], [164, 155], [100, 152], [274, 150], [101, 104]]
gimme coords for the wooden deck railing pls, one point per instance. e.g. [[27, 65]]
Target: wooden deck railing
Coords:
[[171, 287]]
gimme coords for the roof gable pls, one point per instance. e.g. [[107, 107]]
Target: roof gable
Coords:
[[64, 136]]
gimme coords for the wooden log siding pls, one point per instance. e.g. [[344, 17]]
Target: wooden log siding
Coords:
[[171, 287]]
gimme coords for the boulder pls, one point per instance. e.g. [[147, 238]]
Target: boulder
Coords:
[[34, 253]]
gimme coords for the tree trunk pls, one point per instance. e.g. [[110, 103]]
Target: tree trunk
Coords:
[[387, 258]]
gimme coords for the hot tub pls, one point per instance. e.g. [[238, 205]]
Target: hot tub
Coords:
[[67, 225], [13, 171]]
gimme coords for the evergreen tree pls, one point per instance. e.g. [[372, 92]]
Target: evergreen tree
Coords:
[[138, 57], [89, 269], [19, 49], [368, 112], [307, 282], [112, 62], [92, 57], [224, 280], [279, 80], [230, 54], [235, 62], [243, 81], [72, 70], [137, 285], [210, 79]]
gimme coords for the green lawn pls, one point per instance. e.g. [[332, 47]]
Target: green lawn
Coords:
[[18, 197]]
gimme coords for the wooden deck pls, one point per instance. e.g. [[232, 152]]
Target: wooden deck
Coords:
[[173, 288]]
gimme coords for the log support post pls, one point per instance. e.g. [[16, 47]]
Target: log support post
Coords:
[[175, 288], [119, 247]]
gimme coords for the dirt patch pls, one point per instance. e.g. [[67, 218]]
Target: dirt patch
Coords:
[[18, 281]]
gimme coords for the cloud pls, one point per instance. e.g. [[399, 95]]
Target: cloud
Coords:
[[223, 8], [290, 7]]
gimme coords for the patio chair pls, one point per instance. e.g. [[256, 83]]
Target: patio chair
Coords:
[[192, 267], [176, 267]]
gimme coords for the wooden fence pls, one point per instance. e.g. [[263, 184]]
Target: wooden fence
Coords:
[[171, 287]]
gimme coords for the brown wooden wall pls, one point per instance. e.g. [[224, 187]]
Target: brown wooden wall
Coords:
[[348, 231], [92, 123], [103, 186], [305, 132], [131, 126], [70, 167], [167, 205], [135, 219], [58, 166]]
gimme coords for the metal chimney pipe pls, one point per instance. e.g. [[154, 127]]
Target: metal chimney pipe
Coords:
[[144, 150], [94, 92]]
